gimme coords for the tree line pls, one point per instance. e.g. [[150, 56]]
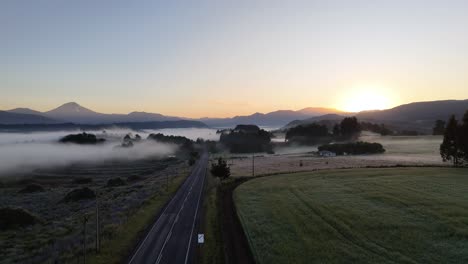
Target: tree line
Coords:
[[349, 128], [454, 147]]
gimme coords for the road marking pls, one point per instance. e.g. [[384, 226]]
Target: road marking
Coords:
[[173, 224], [156, 223], [195, 219]]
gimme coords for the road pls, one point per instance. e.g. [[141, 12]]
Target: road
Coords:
[[173, 236]]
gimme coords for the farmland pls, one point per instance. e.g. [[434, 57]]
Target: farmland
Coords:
[[402, 215], [400, 150], [124, 189]]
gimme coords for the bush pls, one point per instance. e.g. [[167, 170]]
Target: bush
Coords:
[[353, 148], [12, 218], [115, 182], [79, 194], [32, 188]]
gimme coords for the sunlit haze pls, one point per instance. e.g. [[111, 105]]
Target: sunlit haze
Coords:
[[227, 58]]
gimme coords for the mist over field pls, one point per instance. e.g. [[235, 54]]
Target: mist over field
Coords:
[[24, 152], [191, 133]]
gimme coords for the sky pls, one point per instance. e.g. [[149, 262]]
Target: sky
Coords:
[[225, 58]]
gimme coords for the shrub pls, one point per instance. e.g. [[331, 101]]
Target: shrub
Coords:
[[16, 217], [79, 194], [32, 188], [115, 182]]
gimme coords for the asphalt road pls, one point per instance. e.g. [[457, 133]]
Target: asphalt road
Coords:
[[173, 236]]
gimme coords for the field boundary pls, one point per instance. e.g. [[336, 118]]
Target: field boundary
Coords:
[[237, 247]]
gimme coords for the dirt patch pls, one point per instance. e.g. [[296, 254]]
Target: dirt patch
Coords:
[[237, 248]]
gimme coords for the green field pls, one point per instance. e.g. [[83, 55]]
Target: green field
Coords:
[[397, 215]]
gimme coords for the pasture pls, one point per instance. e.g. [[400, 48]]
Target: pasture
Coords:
[[393, 215]]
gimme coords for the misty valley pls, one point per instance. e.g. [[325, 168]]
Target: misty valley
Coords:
[[234, 132]]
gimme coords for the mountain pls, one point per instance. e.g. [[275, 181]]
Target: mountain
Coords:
[[24, 111], [316, 111], [75, 113], [272, 119], [10, 118], [419, 112], [317, 119], [70, 126], [418, 116]]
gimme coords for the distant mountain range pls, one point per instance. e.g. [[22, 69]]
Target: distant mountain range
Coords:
[[272, 119], [74, 113], [419, 116]]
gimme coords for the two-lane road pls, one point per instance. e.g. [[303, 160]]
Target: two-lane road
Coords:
[[173, 237]]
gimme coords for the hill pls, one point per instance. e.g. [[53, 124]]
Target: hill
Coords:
[[10, 118], [273, 119], [419, 116]]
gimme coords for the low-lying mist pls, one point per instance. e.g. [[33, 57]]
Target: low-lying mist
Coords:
[[24, 152]]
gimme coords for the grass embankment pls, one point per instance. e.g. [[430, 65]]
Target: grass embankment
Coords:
[[394, 215], [212, 250], [127, 235]]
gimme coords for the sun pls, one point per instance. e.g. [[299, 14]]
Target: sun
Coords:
[[366, 99]]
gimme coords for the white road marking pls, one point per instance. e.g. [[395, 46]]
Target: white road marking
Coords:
[[173, 224], [155, 224], [194, 219]]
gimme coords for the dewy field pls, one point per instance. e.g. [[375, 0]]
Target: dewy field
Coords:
[[393, 215]]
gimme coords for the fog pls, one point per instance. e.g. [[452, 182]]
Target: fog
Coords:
[[398, 148], [191, 133], [24, 152]]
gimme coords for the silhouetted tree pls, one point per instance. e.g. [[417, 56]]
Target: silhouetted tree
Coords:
[[451, 147], [376, 128], [439, 128], [246, 139], [83, 138], [308, 134], [464, 137], [221, 169], [336, 130], [350, 127]]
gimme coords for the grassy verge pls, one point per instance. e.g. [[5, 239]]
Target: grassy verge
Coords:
[[395, 215], [127, 235], [212, 250]]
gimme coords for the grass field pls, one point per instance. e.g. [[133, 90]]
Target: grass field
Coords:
[[395, 215]]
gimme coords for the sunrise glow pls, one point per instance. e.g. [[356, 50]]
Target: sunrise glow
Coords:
[[367, 99]]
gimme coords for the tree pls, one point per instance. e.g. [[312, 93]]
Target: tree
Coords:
[[308, 134], [350, 127], [221, 169], [439, 128], [451, 147], [336, 130], [464, 137]]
